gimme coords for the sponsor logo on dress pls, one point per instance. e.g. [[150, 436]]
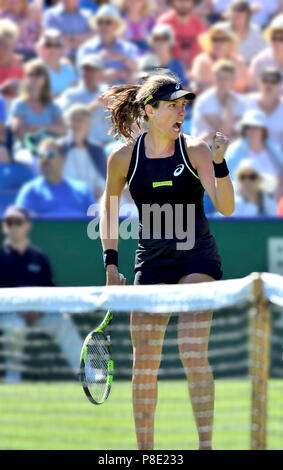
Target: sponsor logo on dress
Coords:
[[179, 169]]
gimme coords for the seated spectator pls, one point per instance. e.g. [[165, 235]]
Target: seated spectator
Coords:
[[186, 26], [148, 64], [218, 43], [273, 55], [61, 72], [280, 207], [251, 198], [162, 43], [27, 16], [3, 118], [34, 110], [89, 92], [52, 195], [254, 143], [219, 107], [85, 160], [72, 21], [268, 100], [263, 10], [12, 177], [24, 264], [249, 35], [139, 19], [11, 68], [118, 55]]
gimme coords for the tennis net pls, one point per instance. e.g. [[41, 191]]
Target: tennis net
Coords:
[[42, 331]]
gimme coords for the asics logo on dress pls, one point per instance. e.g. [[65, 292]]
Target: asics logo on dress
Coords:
[[179, 169]]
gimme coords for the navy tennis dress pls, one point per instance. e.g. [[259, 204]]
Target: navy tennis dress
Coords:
[[173, 184]]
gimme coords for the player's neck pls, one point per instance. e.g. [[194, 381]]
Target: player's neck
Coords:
[[158, 144]]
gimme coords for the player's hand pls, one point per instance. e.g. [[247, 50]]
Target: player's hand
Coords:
[[219, 145], [113, 276]]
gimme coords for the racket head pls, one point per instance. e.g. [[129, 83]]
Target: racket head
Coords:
[[96, 367]]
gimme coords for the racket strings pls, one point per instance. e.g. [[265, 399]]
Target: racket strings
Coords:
[[96, 366]]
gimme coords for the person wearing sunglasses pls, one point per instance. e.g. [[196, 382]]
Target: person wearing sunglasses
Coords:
[[34, 109], [268, 100], [22, 264], [218, 43], [251, 196], [51, 195], [271, 56], [119, 56], [51, 49]]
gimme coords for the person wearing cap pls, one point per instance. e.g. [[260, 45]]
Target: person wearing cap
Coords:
[[73, 22], [216, 44], [62, 74], [219, 107], [165, 170], [255, 144], [34, 109], [249, 35], [119, 57], [22, 264], [162, 42], [269, 100], [271, 56], [186, 26], [51, 195], [251, 197], [89, 91]]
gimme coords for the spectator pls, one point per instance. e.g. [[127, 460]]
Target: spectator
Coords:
[[61, 72], [27, 16], [162, 42], [24, 264], [85, 160], [11, 68], [218, 43], [148, 64], [72, 21], [118, 55], [89, 92], [186, 27], [255, 144], [3, 118], [34, 110], [219, 107], [251, 199], [273, 55], [12, 176], [139, 19], [52, 195], [250, 38], [268, 100], [262, 10], [280, 207]]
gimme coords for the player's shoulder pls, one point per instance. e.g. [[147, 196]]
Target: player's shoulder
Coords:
[[197, 149], [120, 158]]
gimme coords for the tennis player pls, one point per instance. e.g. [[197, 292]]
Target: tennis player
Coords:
[[166, 168]]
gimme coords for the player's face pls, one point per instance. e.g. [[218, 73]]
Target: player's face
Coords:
[[169, 117]]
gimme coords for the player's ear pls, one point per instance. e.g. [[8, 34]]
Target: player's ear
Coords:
[[149, 110]]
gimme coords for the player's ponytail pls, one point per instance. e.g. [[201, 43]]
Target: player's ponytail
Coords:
[[124, 108], [126, 103]]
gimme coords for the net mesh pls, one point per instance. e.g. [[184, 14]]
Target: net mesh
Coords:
[[44, 407]]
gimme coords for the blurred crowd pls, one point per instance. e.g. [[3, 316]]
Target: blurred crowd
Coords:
[[57, 58]]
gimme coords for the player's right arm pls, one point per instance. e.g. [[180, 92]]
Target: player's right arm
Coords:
[[117, 169]]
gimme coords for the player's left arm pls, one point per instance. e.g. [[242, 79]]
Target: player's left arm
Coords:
[[220, 190]]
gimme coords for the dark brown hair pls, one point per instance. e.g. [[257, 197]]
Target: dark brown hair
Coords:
[[126, 102]]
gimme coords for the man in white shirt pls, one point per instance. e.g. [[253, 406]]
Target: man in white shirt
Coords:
[[219, 107]]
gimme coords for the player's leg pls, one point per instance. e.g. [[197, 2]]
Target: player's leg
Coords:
[[147, 332], [193, 337]]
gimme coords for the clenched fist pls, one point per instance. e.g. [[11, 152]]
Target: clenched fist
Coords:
[[219, 145]]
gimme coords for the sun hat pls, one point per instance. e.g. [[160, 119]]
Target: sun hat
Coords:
[[252, 118], [108, 11], [160, 30], [276, 24], [148, 64], [92, 60], [205, 39]]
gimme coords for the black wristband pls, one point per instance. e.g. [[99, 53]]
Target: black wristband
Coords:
[[110, 257], [220, 169]]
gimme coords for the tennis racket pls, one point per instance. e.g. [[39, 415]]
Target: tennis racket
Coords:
[[96, 363]]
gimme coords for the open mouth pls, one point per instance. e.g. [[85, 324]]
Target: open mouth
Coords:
[[177, 126]]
